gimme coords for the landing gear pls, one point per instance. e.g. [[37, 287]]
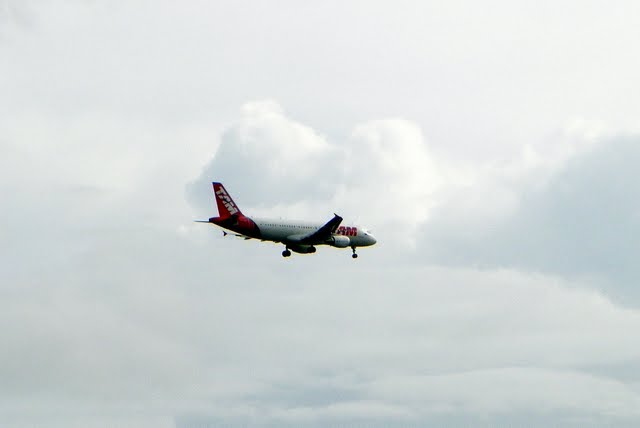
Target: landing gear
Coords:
[[286, 253], [354, 255]]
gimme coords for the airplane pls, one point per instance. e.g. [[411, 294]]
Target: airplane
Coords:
[[297, 236]]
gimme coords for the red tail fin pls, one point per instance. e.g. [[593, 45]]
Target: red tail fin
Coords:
[[226, 206]]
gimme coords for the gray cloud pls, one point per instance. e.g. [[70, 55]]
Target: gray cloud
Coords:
[[581, 222], [117, 310]]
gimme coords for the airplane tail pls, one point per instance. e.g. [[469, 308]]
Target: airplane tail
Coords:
[[226, 206]]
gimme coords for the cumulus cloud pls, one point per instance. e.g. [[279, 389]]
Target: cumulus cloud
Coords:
[[383, 173], [390, 172], [268, 159], [118, 311], [167, 326], [580, 219]]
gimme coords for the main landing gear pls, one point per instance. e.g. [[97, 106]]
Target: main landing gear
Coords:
[[287, 252]]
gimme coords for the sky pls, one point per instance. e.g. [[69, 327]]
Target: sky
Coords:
[[491, 147]]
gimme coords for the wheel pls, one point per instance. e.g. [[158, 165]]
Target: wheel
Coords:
[[286, 253], [354, 255]]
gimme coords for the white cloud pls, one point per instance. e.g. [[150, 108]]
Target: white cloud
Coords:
[[382, 174], [405, 344], [573, 213], [268, 159], [120, 311], [390, 174]]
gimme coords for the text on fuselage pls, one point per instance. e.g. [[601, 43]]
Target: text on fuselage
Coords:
[[347, 231]]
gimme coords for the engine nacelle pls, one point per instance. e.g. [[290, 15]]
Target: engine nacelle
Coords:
[[339, 241], [302, 249]]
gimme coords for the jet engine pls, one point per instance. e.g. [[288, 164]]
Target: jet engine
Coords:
[[302, 249], [339, 241]]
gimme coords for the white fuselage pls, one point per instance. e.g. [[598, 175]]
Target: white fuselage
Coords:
[[281, 230], [297, 236]]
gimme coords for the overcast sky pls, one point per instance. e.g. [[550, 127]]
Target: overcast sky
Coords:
[[492, 147]]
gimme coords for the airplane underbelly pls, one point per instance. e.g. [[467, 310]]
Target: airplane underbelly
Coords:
[[271, 233]]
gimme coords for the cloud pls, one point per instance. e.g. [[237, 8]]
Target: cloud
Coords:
[[119, 311], [511, 390], [269, 159], [580, 220], [410, 346], [402, 345], [383, 173], [391, 172], [134, 304]]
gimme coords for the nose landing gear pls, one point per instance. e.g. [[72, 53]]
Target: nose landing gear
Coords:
[[286, 253], [354, 255]]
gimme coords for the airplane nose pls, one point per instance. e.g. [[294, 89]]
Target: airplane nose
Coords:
[[372, 239]]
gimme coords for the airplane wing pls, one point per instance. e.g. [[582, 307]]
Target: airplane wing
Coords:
[[323, 233]]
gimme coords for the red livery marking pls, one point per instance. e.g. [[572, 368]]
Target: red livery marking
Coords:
[[226, 206], [347, 231]]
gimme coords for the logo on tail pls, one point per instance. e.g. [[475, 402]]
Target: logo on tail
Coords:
[[226, 206]]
